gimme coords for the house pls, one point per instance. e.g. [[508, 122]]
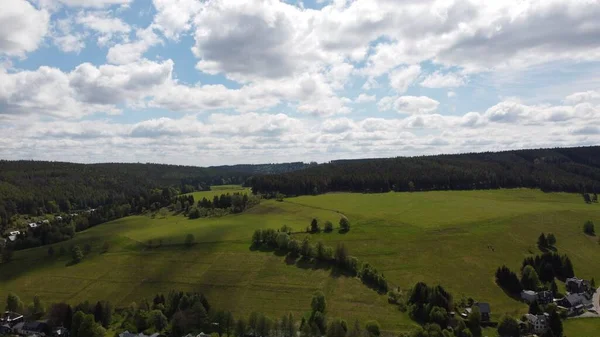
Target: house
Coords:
[[545, 297], [539, 323], [528, 296], [577, 286], [11, 318], [484, 309], [5, 329], [33, 225], [35, 328], [59, 218], [60, 332], [12, 238], [15, 233], [575, 303]]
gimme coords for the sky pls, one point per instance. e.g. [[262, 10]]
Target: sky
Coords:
[[262, 81]]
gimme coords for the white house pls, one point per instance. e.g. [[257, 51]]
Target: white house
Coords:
[[539, 323], [15, 233], [33, 225], [59, 218], [528, 295]]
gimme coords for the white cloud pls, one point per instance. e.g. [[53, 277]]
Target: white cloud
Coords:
[[364, 98], [586, 96], [401, 79], [104, 24], [451, 94], [22, 27], [124, 53], [82, 3], [85, 90], [65, 38], [439, 80], [174, 16], [408, 104]]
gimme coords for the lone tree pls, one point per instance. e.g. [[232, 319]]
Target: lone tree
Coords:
[[372, 327], [328, 226], [508, 327], [344, 224], [50, 251], [314, 226], [189, 240], [77, 254], [588, 228], [13, 302]]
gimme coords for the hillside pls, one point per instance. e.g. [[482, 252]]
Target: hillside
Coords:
[[37, 187], [562, 169], [437, 237]]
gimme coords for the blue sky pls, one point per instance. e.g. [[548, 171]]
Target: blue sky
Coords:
[[248, 81]]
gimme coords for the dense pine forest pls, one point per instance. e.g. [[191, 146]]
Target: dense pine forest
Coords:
[[37, 187], [567, 169]]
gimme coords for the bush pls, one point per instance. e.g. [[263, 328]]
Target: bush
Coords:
[[77, 254], [588, 228], [328, 227], [373, 328], [344, 224], [189, 240]]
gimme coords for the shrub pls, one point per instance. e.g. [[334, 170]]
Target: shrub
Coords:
[[344, 224], [588, 228], [189, 240], [328, 227]]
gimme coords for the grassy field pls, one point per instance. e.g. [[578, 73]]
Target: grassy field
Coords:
[[457, 239], [582, 327]]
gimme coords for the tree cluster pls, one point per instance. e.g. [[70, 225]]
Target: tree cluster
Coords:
[[429, 304], [320, 253], [567, 169], [223, 204], [588, 228], [549, 266]]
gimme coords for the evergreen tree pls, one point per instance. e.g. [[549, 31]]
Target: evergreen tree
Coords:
[[542, 241]]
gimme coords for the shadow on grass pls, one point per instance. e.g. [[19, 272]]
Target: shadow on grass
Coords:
[[307, 264]]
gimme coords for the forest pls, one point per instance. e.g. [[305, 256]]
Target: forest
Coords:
[[562, 169], [38, 187]]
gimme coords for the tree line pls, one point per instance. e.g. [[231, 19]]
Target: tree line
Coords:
[[179, 313], [567, 169], [223, 204], [281, 239]]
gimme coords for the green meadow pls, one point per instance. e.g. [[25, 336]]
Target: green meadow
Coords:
[[456, 239]]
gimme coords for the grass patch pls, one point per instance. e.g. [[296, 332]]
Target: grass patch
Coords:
[[436, 237]]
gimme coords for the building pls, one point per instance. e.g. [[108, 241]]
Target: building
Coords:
[[35, 328], [528, 296], [11, 318], [15, 233], [577, 286], [5, 329], [545, 297], [484, 309], [59, 218], [33, 225], [575, 303], [538, 323]]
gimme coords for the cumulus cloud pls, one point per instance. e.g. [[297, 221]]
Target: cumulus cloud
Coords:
[[174, 16], [22, 27], [124, 53], [104, 24], [439, 80], [409, 104], [364, 98], [401, 79]]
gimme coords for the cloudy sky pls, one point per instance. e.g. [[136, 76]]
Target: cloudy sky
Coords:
[[249, 81]]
